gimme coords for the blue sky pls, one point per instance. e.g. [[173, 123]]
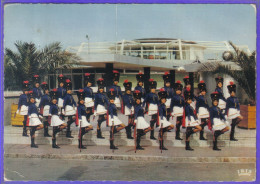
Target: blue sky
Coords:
[[43, 24]]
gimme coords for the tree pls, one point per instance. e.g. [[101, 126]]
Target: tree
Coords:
[[28, 61], [246, 76]]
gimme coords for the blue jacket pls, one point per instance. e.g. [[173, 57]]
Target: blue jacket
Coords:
[[88, 92], [201, 102], [170, 91], [37, 92], [162, 110], [82, 111], [45, 100], [177, 100], [32, 109], [221, 95], [128, 100], [189, 112], [23, 100], [54, 109], [61, 92], [139, 111], [69, 100], [151, 98], [112, 110], [215, 112], [232, 102], [100, 99], [117, 90], [142, 90]]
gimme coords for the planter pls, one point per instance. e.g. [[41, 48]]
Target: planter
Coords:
[[18, 119], [249, 115]]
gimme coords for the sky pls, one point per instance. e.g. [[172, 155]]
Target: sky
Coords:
[[69, 24]]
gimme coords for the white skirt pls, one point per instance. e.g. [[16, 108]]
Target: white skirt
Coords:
[[221, 104], [60, 102], [177, 111], [129, 111], [203, 113], [191, 123], [141, 123], [34, 120], [116, 121], [117, 102], [46, 110], [69, 110], [218, 124], [142, 100], [37, 102], [56, 121], [168, 102], [24, 110], [101, 110], [153, 108], [164, 122], [89, 102], [233, 113], [84, 122]]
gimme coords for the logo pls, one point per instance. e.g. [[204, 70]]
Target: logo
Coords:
[[244, 172]]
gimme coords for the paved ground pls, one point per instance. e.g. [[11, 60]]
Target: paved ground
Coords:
[[53, 170]]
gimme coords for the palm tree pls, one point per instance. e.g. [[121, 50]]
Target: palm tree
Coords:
[[22, 65], [246, 77]]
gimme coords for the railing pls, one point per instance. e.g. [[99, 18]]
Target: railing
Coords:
[[164, 50]]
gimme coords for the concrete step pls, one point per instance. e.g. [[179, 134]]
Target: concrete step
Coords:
[[246, 138]]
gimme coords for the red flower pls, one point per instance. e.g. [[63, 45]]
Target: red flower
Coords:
[[100, 79], [87, 74], [61, 75], [151, 80], [140, 73], [111, 89], [231, 83], [215, 93], [36, 76], [30, 92], [137, 91], [162, 89], [202, 81], [179, 82], [26, 82], [188, 89], [126, 81], [166, 73], [43, 83], [54, 90], [67, 80], [81, 90], [186, 77]]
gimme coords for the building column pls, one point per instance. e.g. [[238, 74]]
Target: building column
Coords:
[[191, 76], [146, 78], [108, 77], [172, 75]]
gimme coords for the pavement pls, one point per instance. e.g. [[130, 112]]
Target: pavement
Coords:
[[150, 154]]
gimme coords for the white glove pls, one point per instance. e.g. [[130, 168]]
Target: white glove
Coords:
[[135, 121], [40, 116], [112, 119], [17, 112], [95, 113], [74, 108], [58, 113], [29, 116]]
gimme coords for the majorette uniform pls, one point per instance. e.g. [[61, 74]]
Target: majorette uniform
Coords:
[[61, 91], [81, 118], [37, 91], [162, 121], [113, 121], [88, 94], [99, 106], [217, 120], [233, 110], [222, 99], [54, 119], [169, 93], [202, 108], [117, 89], [187, 81], [23, 106], [69, 106], [128, 107], [141, 124], [45, 107], [140, 78], [33, 119], [177, 107], [151, 101]]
